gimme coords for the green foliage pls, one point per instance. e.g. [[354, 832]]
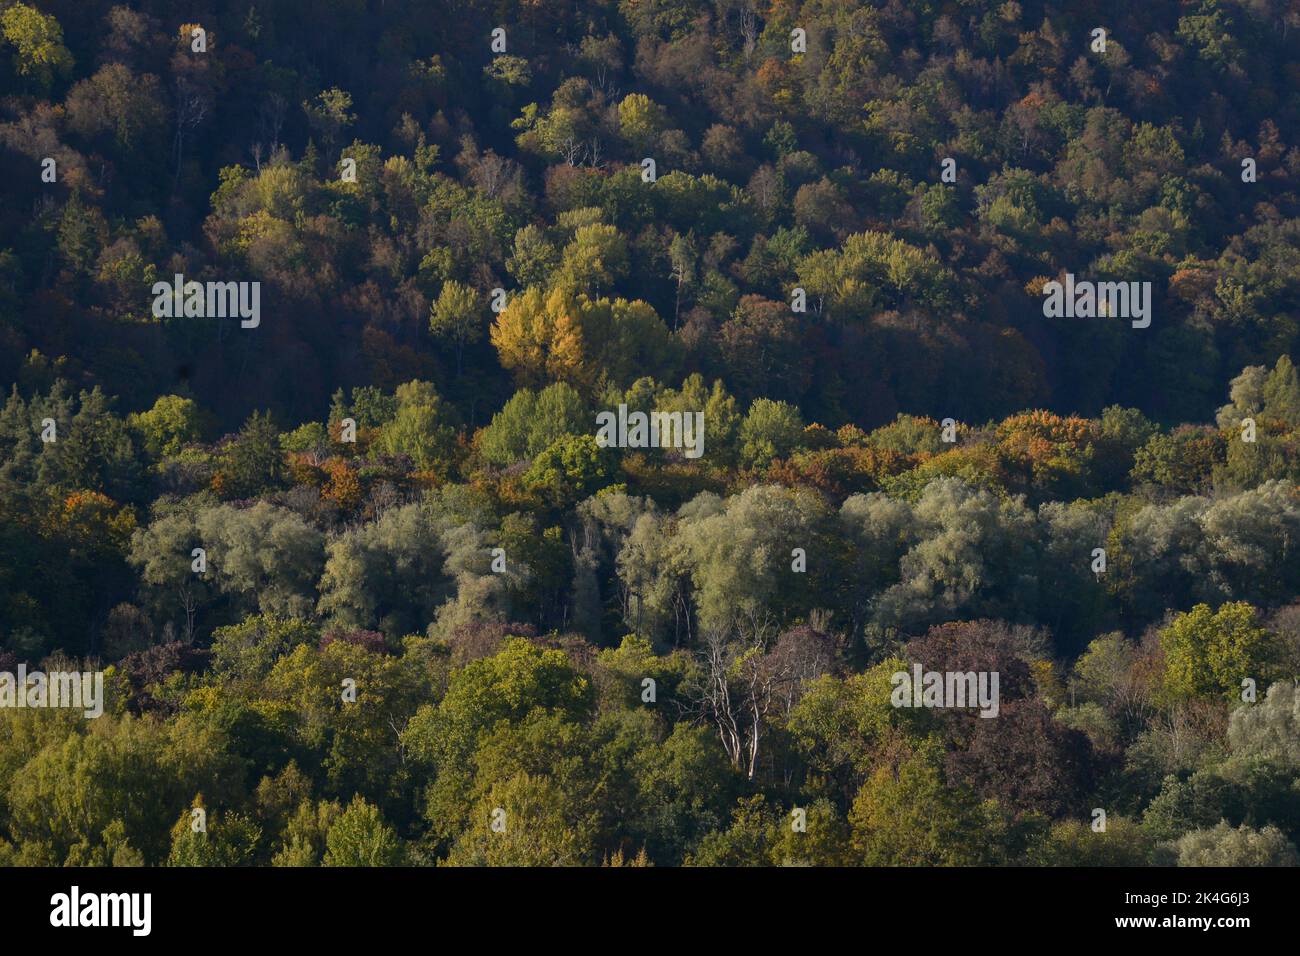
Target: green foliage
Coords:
[[634, 655], [1072, 843], [1210, 652], [1270, 728], [328, 113], [533, 421], [455, 317], [872, 270], [423, 428], [247, 651], [507, 686], [360, 837], [253, 462], [595, 259], [168, 426], [1243, 846], [640, 120], [228, 839], [38, 42], [770, 430], [570, 469], [912, 817]]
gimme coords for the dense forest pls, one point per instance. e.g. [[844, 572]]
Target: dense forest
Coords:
[[366, 586]]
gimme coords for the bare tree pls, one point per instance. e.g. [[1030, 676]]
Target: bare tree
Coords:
[[749, 28], [739, 689], [190, 603], [605, 84], [571, 149], [270, 118], [681, 258], [191, 111], [718, 698], [799, 657]]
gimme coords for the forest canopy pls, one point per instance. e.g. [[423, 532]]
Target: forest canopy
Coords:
[[368, 587]]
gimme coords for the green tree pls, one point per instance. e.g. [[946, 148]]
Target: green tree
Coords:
[[328, 114], [172, 423], [456, 317], [1224, 845], [264, 556], [303, 840], [640, 120], [423, 429], [226, 839], [246, 652], [253, 462], [912, 817], [1269, 728], [596, 258], [384, 574], [360, 837], [1281, 392], [507, 686], [163, 553], [534, 828], [1073, 843], [534, 257], [570, 469], [130, 107], [1209, 653], [770, 430], [530, 422], [38, 39]]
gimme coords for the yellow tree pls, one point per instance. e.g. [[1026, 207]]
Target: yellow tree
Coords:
[[538, 336]]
